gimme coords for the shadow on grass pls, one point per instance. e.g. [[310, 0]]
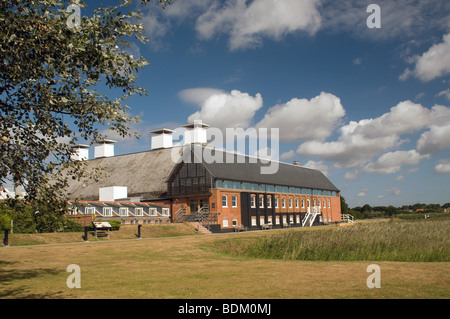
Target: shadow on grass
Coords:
[[12, 275]]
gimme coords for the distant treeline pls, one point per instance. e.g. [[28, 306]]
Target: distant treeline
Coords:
[[406, 211]]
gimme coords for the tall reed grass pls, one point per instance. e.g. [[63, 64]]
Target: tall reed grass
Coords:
[[418, 241]]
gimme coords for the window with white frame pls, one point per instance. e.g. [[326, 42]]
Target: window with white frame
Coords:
[[291, 219], [296, 203], [283, 202], [166, 211], [277, 220], [262, 220], [276, 202], [107, 211], [261, 201], [235, 221], [225, 222], [253, 220], [290, 202], [308, 203], [303, 203], [89, 210], [152, 211], [269, 220], [297, 219], [233, 201], [225, 201], [138, 211], [252, 201], [269, 201], [123, 211], [328, 203]]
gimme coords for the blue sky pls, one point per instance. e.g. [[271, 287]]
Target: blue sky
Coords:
[[370, 107]]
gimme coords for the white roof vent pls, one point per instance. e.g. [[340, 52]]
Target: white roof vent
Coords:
[[112, 193], [162, 138], [104, 148], [80, 152], [196, 133]]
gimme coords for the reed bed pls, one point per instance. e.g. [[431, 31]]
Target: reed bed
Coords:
[[412, 241]]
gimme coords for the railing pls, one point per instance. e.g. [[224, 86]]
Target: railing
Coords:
[[180, 215], [310, 216], [347, 218]]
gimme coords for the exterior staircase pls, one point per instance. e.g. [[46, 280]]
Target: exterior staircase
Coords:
[[310, 216], [200, 228]]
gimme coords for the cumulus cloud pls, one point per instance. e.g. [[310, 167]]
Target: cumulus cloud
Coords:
[[432, 64], [319, 165], [445, 93], [360, 141], [443, 166], [234, 109], [305, 119], [434, 140], [392, 162], [247, 23], [198, 95]]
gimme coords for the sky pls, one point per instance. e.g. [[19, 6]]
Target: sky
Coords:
[[362, 95]]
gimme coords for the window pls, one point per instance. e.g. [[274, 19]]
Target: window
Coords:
[[277, 220], [225, 222], [139, 211], [152, 211], [297, 219], [107, 211], [253, 220], [269, 220], [261, 201], [296, 203], [284, 220], [165, 211], [324, 203], [291, 219], [303, 203], [123, 211], [262, 220], [234, 201], [89, 210], [283, 202], [235, 221], [314, 203], [308, 203], [329, 218], [269, 201], [328, 203], [252, 201], [224, 201], [276, 202], [290, 202]]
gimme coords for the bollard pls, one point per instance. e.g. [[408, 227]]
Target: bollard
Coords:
[[6, 239], [85, 233], [139, 231]]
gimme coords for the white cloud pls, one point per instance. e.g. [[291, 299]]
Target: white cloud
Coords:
[[198, 95], [392, 162], [247, 23], [394, 191], [445, 93], [432, 64], [434, 140], [287, 155], [234, 109], [305, 119], [362, 193], [320, 165], [443, 166], [359, 142]]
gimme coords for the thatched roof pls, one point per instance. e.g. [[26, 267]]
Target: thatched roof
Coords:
[[143, 173]]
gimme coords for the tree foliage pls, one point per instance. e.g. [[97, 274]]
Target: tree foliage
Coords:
[[51, 77]]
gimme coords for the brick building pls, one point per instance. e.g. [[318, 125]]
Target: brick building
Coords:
[[223, 194]]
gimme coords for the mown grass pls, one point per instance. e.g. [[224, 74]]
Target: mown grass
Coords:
[[409, 241]]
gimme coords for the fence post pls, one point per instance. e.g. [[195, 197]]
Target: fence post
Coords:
[[139, 231], [6, 239]]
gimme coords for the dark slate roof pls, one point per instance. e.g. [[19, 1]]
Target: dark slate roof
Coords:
[[246, 168]]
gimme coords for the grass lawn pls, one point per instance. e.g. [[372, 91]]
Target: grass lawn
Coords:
[[192, 267]]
